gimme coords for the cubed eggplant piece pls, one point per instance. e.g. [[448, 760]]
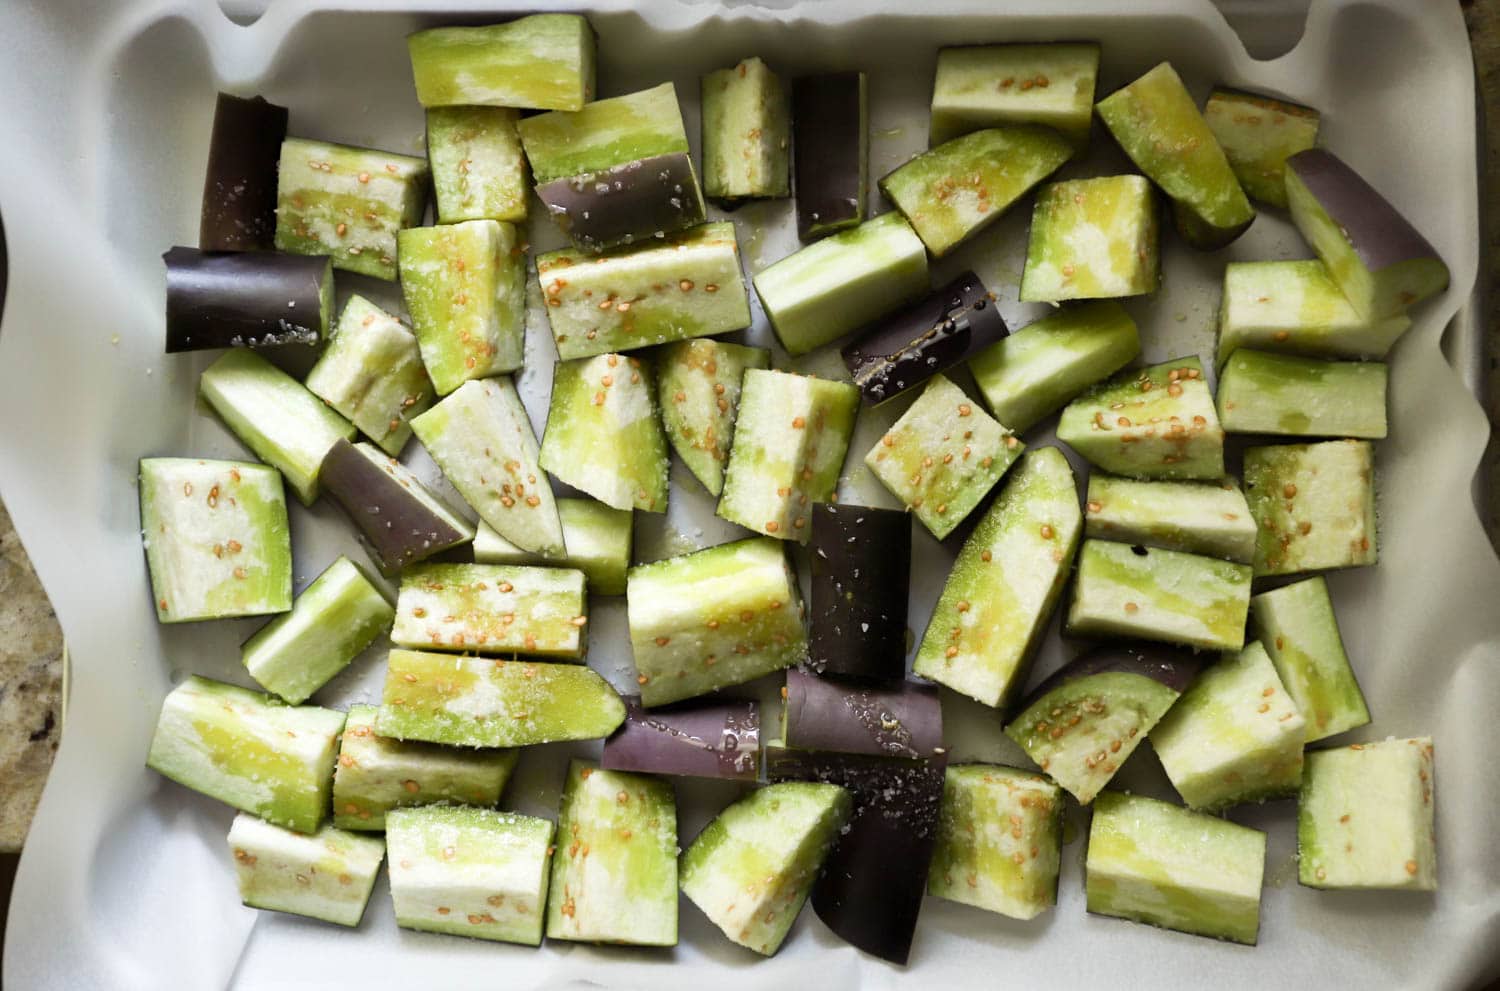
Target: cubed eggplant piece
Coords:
[[254, 299], [1265, 393], [826, 713], [541, 62], [239, 187], [708, 739], [747, 130], [1210, 518], [1258, 134], [597, 536], [1297, 626], [861, 572], [493, 609], [905, 349], [478, 168], [980, 86], [327, 876], [831, 144], [1092, 239], [1376, 256], [1314, 505], [698, 385]]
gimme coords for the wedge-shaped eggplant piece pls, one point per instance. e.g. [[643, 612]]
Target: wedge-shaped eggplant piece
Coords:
[[248, 750], [1314, 505], [239, 186], [713, 618], [1376, 256], [543, 62], [372, 374], [981, 86], [333, 620], [493, 609], [1134, 591], [481, 438], [698, 383], [469, 872], [465, 285], [483, 702], [401, 520], [896, 805], [683, 285], [598, 540], [1234, 736], [1210, 518], [274, 416], [831, 143], [999, 841], [327, 876], [789, 444], [1084, 720], [752, 867], [375, 774], [616, 171], [604, 434], [747, 131], [924, 339], [347, 203], [1037, 370], [1258, 134], [1295, 307], [861, 573], [842, 283], [216, 537], [478, 168], [1154, 862], [614, 872], [1157, 123], [1265, 393], [899, 720], [1154, 422], [1365, 817], [959, 188], [253, 299], [1000, 595], [699, 739], [943, 456], [1296, 625], [1092, 239]]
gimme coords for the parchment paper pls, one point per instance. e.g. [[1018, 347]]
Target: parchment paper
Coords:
[[104, 122]]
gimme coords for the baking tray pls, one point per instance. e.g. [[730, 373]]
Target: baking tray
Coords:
[[126, 881]]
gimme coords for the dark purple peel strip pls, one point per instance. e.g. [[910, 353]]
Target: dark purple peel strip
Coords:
[[626, 204], [1175, 667], [905, 720], [1376, 230], [251, 299], [399, 529], [931, 335], [828, 145], [239, 188], [696, 739], [872, 884], [861, 570]]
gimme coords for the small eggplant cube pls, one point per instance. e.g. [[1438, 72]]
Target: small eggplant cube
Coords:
[[543, 62], [493, 609], [979, 86], [698, 383], [1234, 736], [1301, 634], [999, 842], [1314, 505], [831, 147], [1258, 134], [1092, 239], [597, 536], [478, 168], [747, 129], [1210, 518], [216, 538], [372, 374], [1365, 817], [1265, 393], [347, 203], [943, 456], [1154, 422], [469, 872], [604, 434], [327, 875]]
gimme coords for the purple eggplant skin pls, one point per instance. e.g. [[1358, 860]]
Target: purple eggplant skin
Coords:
[[1175, 667], [829, 146], [398, 527], [902, 720], [225, 299], [861, 570], [909, 347], [872, 884], [625, 204], [700, 739], [239, 188]]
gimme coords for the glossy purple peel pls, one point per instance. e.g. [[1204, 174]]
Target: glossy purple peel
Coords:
[[696, 739], [861, 570], [903, 720], [239, 188], [626, 204], [909, 347], [251, 299], [829, 148]]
